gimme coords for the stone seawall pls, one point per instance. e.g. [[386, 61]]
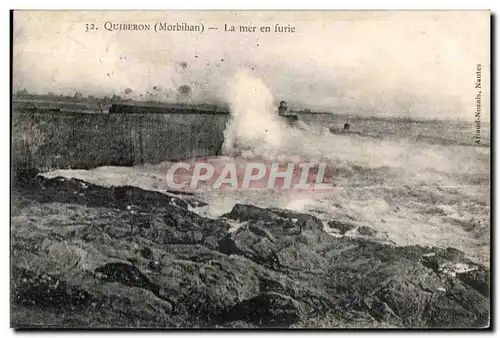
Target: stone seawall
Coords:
[[45, 140]]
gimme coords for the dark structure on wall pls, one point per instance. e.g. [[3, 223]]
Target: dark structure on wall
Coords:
[[283, 111]]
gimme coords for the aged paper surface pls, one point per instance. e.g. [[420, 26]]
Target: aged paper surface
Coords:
[[250, 169]]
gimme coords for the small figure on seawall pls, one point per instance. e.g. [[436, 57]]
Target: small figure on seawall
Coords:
[[283, 111], [345, 130]]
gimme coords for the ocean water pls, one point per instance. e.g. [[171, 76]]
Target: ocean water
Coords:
[[414, 182]]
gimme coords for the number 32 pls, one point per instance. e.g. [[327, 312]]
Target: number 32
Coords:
[[89, 27]]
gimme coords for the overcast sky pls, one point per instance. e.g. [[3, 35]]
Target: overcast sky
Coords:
[[419, 64]]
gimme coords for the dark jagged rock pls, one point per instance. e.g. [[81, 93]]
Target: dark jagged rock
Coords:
[[44, 290], [184, 227], [279, 269], [25, 176], [66, 190], [125, 274], [242, 212], [154, 265], [479, 279], [366, 231], [268, 309], [342, 227], [267, 285], [147, 253], [308, 222], [130, 276], [438, 260]]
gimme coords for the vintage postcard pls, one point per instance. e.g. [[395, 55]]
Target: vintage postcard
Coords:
[[250, 169]]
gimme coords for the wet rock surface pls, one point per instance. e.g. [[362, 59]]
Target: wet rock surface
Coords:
[[88, 256]]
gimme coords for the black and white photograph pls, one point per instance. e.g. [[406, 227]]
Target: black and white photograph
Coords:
[[263, 169]]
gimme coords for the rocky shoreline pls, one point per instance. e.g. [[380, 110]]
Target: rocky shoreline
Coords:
[[86, 256]]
